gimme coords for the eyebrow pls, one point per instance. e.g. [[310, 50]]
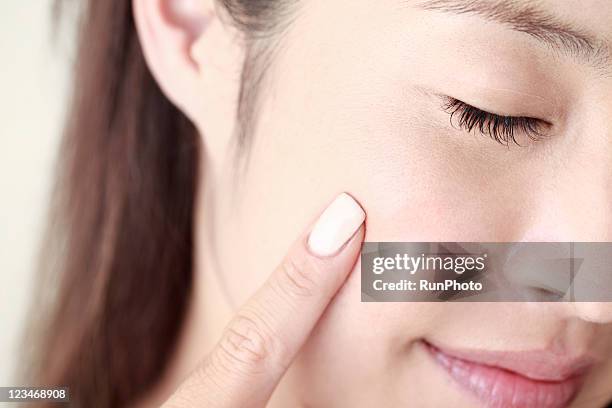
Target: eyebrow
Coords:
[[535, 22]]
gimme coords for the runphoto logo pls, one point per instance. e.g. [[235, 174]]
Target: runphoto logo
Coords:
[[429, 262], [486, 271]]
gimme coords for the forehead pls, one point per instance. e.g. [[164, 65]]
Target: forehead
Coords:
[[550, 23], [594, 16]]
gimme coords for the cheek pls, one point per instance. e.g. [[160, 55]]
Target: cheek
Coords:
[[413, 185], [431, 193], [345, 126], [363, 346], [414, 182]]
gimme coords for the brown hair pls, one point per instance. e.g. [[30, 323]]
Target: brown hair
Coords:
[[123, 212]]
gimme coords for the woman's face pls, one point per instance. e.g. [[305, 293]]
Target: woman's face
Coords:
[[354, 100]]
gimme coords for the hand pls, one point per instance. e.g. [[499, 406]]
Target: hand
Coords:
[[261, 341]]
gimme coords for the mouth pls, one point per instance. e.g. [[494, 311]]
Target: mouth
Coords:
[[514, 379]]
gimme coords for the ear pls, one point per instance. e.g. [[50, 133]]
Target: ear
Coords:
[[184, 42], [167, 29]]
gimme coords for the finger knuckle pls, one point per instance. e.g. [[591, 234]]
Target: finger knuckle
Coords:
[[247, 344], [297, 278]]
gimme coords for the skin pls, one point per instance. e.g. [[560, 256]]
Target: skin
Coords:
[[350, 104]]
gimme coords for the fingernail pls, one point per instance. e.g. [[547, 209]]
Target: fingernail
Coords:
[[336, 226]]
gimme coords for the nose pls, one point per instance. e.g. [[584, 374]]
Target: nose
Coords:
[[596, 312], [571, 187], [571, 198], [598, 177], [577, 207]]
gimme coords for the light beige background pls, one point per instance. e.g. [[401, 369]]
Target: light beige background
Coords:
[[33, 81]]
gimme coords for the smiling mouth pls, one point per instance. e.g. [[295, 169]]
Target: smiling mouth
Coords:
[[514, 379]]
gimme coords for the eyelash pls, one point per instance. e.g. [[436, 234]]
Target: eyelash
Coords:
[[502, 129]]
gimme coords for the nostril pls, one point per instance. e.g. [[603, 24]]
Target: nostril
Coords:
[[548, 294]]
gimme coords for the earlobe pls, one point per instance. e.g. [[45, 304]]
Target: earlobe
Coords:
[[196, 60], [168, 30]]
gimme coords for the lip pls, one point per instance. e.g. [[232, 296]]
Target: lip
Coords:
[[538, 378]]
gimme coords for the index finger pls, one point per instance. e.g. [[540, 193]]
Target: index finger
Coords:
[[262, 339]]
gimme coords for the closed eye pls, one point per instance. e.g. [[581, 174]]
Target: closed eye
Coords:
[[503, 129]]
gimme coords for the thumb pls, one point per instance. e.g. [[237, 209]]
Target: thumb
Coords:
[[262, 339]]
